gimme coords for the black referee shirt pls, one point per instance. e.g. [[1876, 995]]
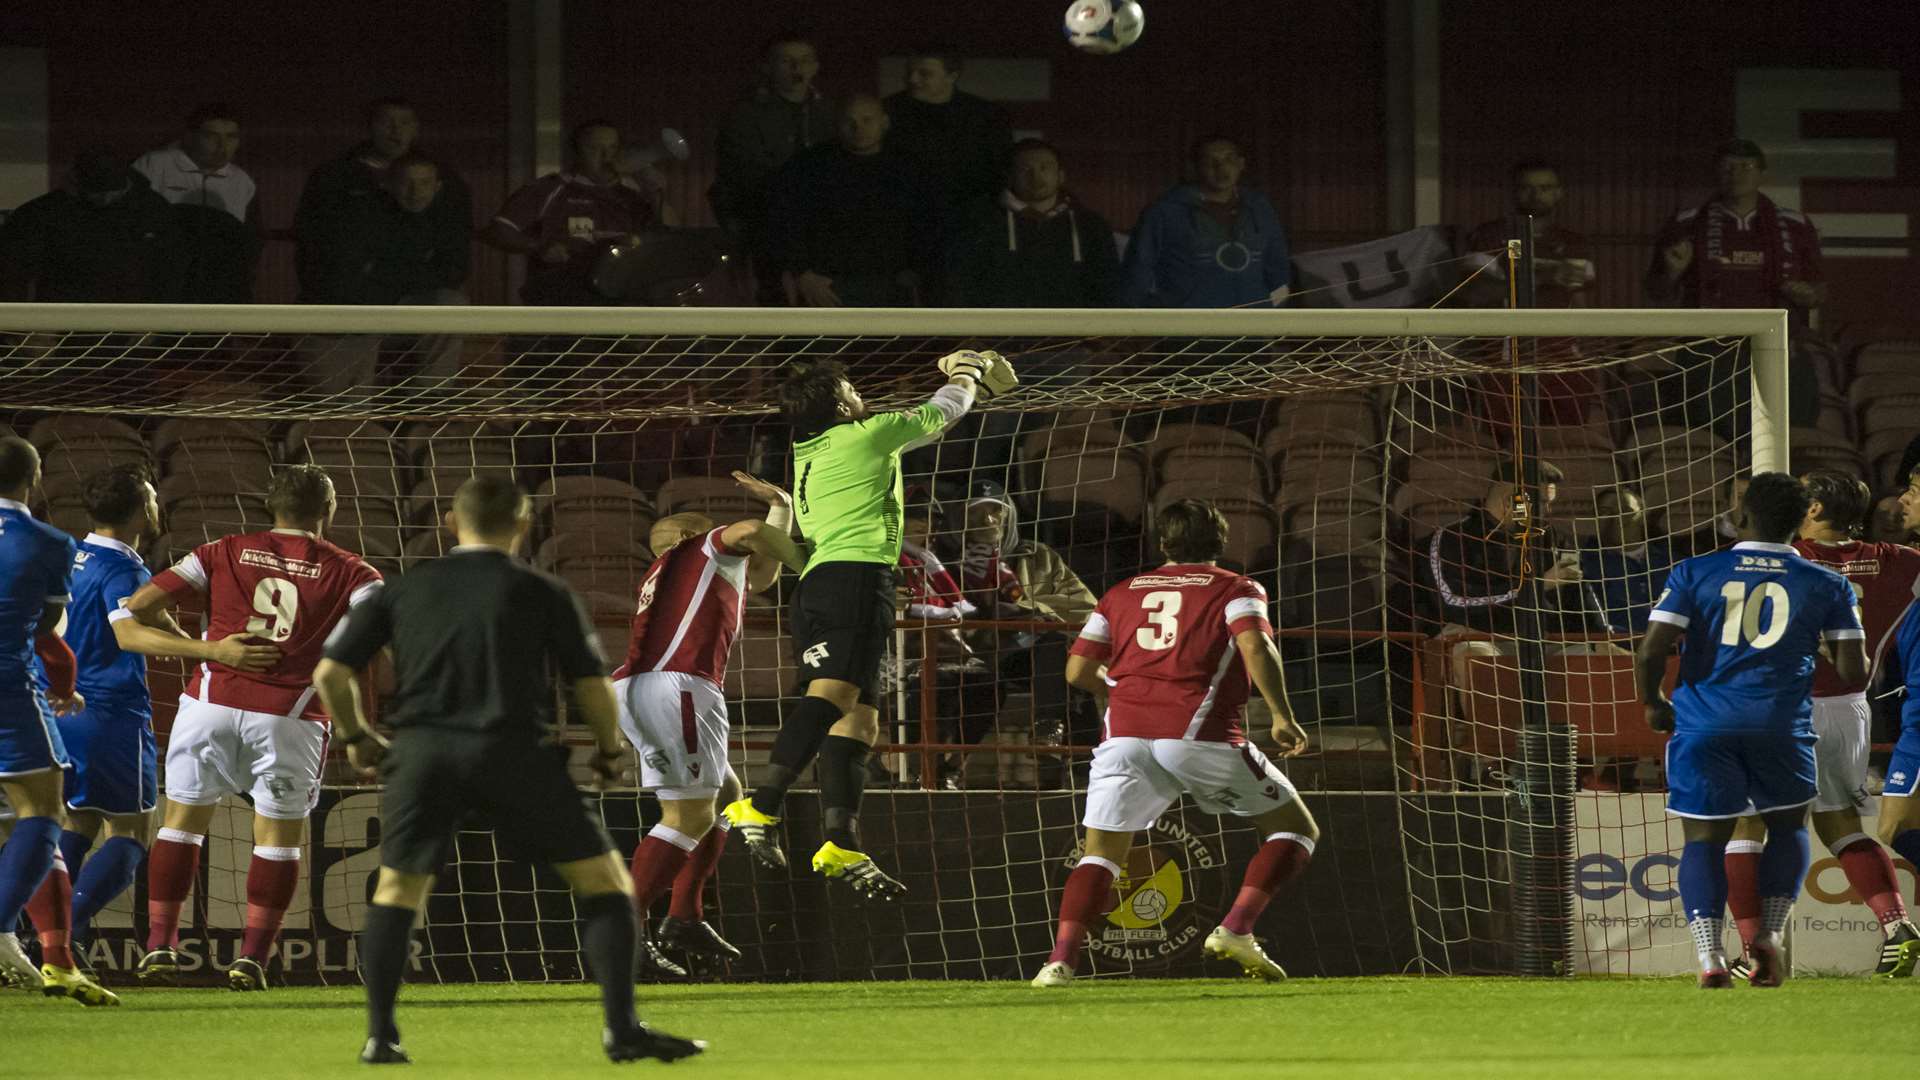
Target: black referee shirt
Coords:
[[476, 638]]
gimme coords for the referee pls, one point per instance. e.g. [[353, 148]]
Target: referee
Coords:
[[847, 494], [474, 636]]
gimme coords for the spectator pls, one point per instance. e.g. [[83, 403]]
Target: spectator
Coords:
[[785, 115], [351, 193], [957, 141], [638, 168], [1563, 259], [401, 250], [198, 169], [1739, 250], [1475, 571], [564, 222], [849, 223], [1724, 529], [1208, 244], [1007, 577], [1889, 522], [1625, 568], [1039, 247], [103, 237]]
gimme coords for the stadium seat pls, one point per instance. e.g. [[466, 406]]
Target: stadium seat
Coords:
[[586, 544], [1112, 480], [423, 545], [1886, 357], [1307, 473], [1336, 526], [1344, 418], [1811, 448], [1338, 590], [1235, 467], [367, 525], [68, 466], [585, 504], [80, 431], [1883, 452], [717, 497], [231, 478], [1073, 432], [1172, 437], [195, 432], [1252, 530], [1680, 472], [760, 668], [609, 574], [359, 456]]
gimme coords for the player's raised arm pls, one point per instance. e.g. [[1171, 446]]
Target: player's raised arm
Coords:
[[770, 541], [1262, 658], [971, 377]]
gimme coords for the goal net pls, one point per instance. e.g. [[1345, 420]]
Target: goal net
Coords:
[[1476, 750]]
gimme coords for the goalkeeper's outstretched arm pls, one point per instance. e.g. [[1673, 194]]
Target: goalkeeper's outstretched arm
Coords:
[[971, 377]]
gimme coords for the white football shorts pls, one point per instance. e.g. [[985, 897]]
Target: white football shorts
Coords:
[[1844, 725], [1134, 781], [679, 725], [215, 751]]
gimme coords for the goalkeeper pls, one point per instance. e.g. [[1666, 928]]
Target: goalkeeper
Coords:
[[847, 494]]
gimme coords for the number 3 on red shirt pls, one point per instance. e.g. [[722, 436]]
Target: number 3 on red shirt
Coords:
[[1163, 620]]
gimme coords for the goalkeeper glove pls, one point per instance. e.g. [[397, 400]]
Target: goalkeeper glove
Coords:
[[990, 372]]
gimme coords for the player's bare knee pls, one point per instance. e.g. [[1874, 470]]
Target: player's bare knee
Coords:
[[87, 823], [279, 832], [843, 695], [863, 723], [1293, 818], [187, 818], [1111, 846], [402, 890], [135, 827], [596, 876], [1750, 828], [1835, 825]]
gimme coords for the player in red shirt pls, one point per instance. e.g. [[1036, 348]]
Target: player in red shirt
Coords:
[[1885, 578], [261, 733], [1171, 651], [672, 697]]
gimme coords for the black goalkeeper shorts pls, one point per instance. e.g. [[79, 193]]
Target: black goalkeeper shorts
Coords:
[[843, 614], [439, 782]]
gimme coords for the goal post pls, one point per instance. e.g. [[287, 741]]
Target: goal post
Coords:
[[1337, 442]]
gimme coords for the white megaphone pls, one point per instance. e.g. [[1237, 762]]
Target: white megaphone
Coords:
[[670, 146]]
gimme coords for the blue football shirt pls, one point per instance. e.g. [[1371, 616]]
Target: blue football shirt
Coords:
[[105, 572], [36, 560], [1754, 617]]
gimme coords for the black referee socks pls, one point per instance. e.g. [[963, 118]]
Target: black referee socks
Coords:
[[384, 944], [609, 934], [793, 749], [843, 780]]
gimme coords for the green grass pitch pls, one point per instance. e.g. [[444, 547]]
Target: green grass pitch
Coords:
[[1346, 1028]]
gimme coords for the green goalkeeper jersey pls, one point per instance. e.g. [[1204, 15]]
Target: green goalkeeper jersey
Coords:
[[847, 490]]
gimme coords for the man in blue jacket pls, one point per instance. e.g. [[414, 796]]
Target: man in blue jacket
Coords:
[[1208, 244]]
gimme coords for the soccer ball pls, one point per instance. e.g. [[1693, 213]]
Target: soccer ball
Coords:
[[1104, 26], [1149, 905]]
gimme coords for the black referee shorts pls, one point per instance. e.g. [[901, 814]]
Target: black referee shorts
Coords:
[[441, 781], [843, 614]]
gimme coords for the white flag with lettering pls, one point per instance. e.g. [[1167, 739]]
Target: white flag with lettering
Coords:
[[1408, 270]]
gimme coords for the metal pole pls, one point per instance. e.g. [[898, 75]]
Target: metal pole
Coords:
[[1540, 784]]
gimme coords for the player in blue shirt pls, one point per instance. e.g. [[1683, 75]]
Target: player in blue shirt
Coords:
[[110, 741], [1750, 620], [1899, 826], [35, 561]]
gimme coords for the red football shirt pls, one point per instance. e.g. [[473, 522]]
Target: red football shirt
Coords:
[[1742, 258], [1885, 579], [689, 611], [284, 587], [1167, 639]]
